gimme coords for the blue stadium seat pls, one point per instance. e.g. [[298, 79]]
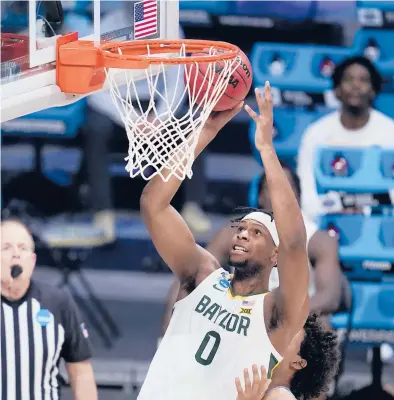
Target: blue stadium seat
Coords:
[[385, 104], [297, 10], [301, 65], [383, 38], [366, 248], [366, 244], [290, 125], [372, 320], [62, 122], [370, 170], [289, 11], [301, 62], [380, 5], [52, 123], [253, 193], [12, 20], [212, 7]]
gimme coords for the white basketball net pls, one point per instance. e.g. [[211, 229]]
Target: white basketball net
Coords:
[[164, 142]]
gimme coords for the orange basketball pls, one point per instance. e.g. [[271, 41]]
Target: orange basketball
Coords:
[[238, 85]]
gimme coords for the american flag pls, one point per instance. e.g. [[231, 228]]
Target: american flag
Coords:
[[85, 332], [145, 18], [249, 303]]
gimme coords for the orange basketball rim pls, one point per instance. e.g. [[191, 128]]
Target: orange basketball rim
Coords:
[[161, 141], [80, 66]]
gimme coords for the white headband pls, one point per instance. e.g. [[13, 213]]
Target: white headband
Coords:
[[264, 219]]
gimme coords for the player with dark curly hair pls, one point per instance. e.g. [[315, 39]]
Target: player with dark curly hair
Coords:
[[319, 357], [308, 366], [374, 75]]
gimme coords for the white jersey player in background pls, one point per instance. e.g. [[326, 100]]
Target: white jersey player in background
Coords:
[[222, 324]]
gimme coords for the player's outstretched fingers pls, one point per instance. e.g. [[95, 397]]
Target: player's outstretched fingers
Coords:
[[267, 96], [264, 382], [239, 388], [256, 377], [264, 101], [260, 100], [252, 114], [248, 384]]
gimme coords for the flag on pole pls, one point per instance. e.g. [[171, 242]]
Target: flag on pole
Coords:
[[145, 18]]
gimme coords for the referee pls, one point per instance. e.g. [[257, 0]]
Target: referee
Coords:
[[39, 326]]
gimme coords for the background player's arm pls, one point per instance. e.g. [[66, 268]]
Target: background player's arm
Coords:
[[292, 254], [323, 253], [169, 232], [220, 243]]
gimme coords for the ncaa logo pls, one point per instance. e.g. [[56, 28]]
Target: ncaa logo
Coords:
[[44, 317], [224, 283]]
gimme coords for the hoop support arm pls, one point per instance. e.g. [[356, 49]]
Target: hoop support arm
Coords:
[[79, 66]]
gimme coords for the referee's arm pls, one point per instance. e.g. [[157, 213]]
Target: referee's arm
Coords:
[[77, 353]]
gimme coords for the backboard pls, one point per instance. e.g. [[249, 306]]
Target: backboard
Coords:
[[29, 30]]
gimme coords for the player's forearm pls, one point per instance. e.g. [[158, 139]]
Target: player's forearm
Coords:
[[288, 218], [325, 302]]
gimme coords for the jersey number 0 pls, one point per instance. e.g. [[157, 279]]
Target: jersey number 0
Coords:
[[209, 347], [205, 354]]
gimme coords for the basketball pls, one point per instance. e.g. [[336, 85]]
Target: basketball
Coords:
[[238, 85]]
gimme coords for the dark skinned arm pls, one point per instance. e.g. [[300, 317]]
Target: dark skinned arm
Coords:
[[170, 234], [323, 253], [293, 270], [220, 245]]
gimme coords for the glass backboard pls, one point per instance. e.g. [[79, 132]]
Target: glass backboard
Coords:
[[29, 30]]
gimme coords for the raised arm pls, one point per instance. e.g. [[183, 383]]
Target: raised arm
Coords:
[[292, 254], [169, 232]]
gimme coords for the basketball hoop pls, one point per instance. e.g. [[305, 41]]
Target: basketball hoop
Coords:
[[158, 142]]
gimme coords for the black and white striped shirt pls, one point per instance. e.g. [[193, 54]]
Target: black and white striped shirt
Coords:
[[36, 331]]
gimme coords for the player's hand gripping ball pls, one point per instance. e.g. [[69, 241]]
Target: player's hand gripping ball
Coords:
[[238, 85]]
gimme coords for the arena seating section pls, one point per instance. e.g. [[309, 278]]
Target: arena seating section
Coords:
[[366, 242]]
